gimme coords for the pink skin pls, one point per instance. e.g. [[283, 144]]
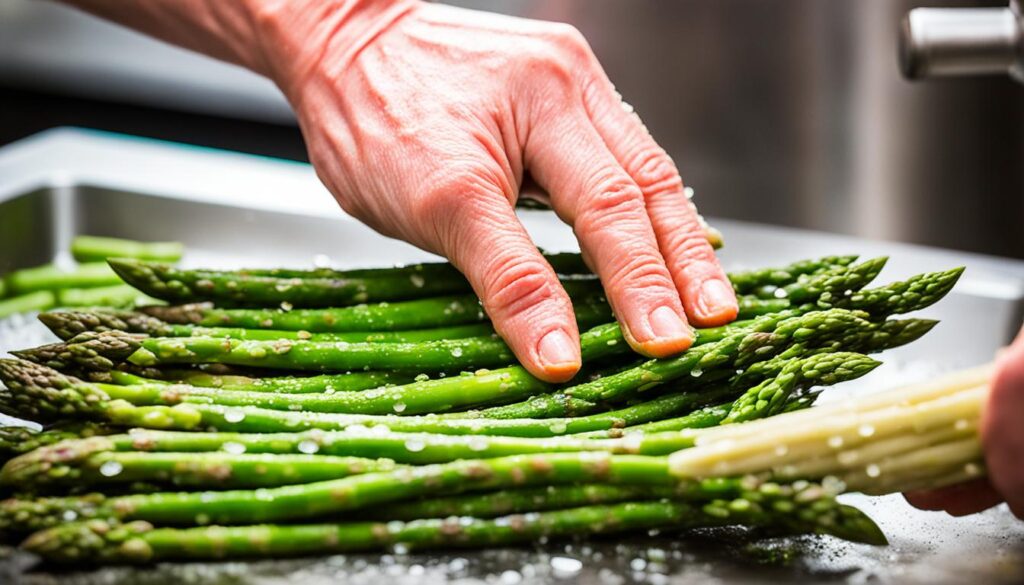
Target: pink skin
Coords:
[[1003, 438], [423, 120]]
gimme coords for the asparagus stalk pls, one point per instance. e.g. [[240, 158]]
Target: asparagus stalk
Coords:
[[750, 281], [118, 295], [69, 323], [50, 277], [96, 248], [324, 384], [41, 393], [17, 440], [27, 303], [139, 542]]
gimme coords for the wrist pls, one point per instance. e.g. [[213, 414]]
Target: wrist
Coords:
[[291, 37]]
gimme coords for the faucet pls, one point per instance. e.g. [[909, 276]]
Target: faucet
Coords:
[[945, 42]]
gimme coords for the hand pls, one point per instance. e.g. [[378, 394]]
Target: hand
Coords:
[[1003, 436], [422, 121]]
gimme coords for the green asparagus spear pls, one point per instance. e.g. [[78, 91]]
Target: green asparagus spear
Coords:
[[26, 303], [339, 290], [69, 323], [325, 384], [17, 440], [770, 396], [429, 356], [749, 281], [521, 501], [50, 277], [96, 249], [118, 295], [41, 393], [185, 470], [810, 510]]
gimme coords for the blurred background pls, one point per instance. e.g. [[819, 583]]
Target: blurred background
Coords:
[[789, 112]]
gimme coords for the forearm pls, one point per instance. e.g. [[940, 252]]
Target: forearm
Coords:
[[275, 38]]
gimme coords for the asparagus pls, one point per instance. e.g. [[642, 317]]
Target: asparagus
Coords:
[[804, 511], [118, 295], [336, 290], [325, 383], [96, 248], [520, 501], [184, 470], [50, 277], [41, 393], [26, 303], [770, 396], [89, 351], [69, 323], [749, 281], [17, 440]]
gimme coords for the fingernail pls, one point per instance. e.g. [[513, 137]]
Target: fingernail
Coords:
[[715, 297], [667, 324], [557, 349]]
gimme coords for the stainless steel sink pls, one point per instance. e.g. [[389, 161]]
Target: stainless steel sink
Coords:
[[233, 210]]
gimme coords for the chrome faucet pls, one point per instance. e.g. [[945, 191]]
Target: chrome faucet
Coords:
[[943, 42]]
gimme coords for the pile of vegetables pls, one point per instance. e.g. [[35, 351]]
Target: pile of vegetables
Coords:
[[91, 282], [288, 412]]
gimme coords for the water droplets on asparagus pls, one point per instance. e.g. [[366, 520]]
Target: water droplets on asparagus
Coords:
[[111, 468], [307, 446], [415, 445], [233, 447]]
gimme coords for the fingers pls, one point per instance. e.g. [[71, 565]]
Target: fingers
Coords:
[[958, 500], [590, 191], [1001, 431], [478, 231], [707, 295]]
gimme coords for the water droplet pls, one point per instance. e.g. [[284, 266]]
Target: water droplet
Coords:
[[972, 469], [69, 516], [566, 566], [780, 293], [511, 577], [866, 430], [421, 377], [688, 192], [961, 425], [415, 445], [638, 564], [873, 470], [233, 448], [456, 352], [111, 468], [835, 442], [781, 450], [398, 407], [696, 372], [478, 444], [557, 428], [417, 280], [286, 306], [234, 416], [308, 447], [400, 548]]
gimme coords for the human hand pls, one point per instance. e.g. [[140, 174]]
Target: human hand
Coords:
[[1003, 437], [422, 120]]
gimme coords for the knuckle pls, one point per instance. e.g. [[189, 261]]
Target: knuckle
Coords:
[[654, 172], [516, 285], [610, 202], [569, 39], [450, 192], [689, 244], [636, 272]]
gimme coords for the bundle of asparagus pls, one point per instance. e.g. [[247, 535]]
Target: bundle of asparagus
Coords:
[[89, 283], [224, 431]]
